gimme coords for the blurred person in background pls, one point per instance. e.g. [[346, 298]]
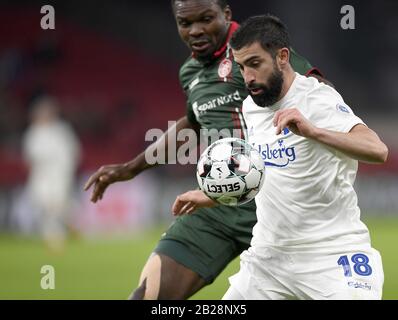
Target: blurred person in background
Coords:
[[52, 152]]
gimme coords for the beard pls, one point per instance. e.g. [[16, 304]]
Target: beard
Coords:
[[271, 92]]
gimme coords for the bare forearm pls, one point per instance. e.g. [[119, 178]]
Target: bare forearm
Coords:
[[138, 165], [109, 174], [360, 143], [160, 147]]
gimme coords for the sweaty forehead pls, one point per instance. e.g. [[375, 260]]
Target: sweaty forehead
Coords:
[[190, 8]]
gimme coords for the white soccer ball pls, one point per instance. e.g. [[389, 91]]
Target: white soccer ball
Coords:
[[230, 171]]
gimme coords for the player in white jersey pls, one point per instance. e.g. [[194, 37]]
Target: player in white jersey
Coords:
[[309, 241]]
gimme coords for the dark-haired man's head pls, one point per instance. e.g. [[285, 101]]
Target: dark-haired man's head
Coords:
[[261, 48], [221, 3], [203, 25]]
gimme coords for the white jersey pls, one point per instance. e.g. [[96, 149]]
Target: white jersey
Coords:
[[307, 201], [52, 151]]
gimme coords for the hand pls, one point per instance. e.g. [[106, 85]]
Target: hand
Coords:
[[105, 176], [188, 202], [295, 122]]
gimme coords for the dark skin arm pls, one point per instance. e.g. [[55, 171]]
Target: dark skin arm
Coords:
[[108, 174]]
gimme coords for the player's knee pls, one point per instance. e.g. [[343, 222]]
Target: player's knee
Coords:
[[149, 286], [139, 293], [177, 281], [163, 278], [145, 291]]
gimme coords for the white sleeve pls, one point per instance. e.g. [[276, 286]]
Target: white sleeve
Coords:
[[327, 110]]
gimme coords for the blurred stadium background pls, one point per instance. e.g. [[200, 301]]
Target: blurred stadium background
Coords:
[[113, 68]]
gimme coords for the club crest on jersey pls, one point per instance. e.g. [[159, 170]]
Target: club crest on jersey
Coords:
[[225, 68], [342, 108]]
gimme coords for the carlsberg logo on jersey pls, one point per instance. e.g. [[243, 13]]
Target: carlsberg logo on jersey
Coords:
[[280, 156], [214, 103]]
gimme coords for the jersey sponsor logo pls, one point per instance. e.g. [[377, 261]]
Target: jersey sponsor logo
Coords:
[[225, 68], [359, 285], [280, 156], [214, 103]]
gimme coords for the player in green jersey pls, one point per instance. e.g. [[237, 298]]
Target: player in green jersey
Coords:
[[196, 248]]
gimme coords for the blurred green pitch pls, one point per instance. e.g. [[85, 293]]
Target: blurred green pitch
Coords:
[[110, 268]]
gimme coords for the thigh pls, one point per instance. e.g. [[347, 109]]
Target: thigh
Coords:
[[262, 278], [163, 278], [200, 243], [348, 275]]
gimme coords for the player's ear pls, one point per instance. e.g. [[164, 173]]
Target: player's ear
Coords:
[[283, 56], [228, 14]]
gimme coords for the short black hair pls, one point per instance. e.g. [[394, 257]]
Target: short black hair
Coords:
[[269, 31], [221, 3]]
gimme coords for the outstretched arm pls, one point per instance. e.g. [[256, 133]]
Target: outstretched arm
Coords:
[[360, 143], [109, 174]]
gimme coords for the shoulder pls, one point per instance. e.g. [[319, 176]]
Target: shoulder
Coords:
[[318, 93], [326, 97], [188, 71], [62, 125], [64, 129], [326, 108]]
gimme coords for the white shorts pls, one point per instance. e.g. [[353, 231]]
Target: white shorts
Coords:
[[290, 275]]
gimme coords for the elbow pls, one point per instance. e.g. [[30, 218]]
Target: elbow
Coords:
[[382, 154]]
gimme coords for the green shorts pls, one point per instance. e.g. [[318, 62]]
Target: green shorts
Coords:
[[209, 239]]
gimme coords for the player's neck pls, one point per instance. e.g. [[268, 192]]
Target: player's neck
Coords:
[[288, 77]]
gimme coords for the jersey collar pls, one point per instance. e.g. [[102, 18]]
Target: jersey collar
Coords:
[[232, 28]]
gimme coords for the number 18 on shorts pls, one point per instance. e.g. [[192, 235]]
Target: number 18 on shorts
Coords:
[[363, 274]]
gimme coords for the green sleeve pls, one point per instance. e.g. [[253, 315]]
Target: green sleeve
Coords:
[[190, 114], [301, 64], [184, 78]]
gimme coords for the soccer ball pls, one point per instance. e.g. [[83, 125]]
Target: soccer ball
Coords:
[[230, 171]]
